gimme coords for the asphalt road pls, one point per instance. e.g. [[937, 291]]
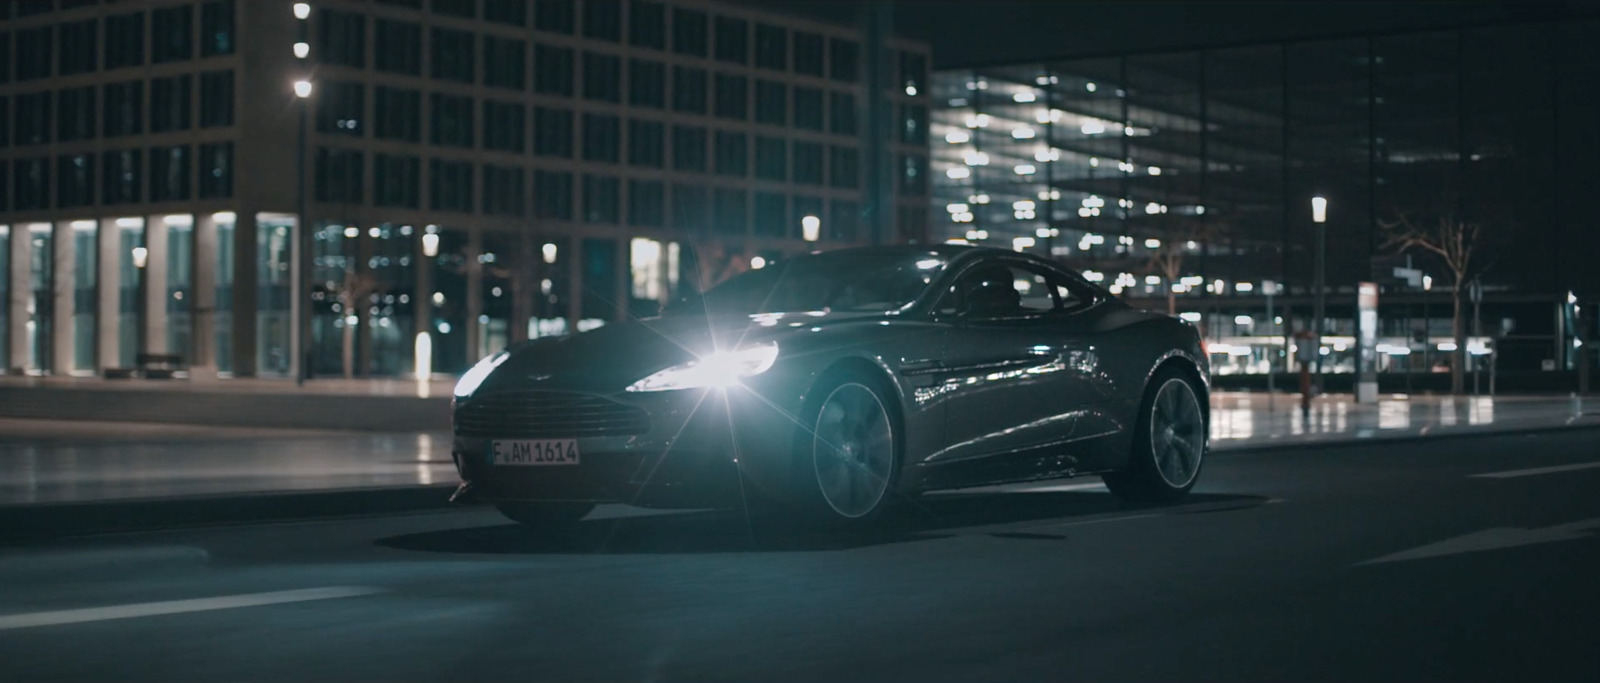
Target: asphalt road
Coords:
[[1371, 562]]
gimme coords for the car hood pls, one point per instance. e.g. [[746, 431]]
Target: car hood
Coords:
[[610, 358]]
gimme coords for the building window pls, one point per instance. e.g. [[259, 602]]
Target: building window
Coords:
[[845, 59], [124, 40], [914, 73], [170, 103], [552, 195], [513, 12], [913, 175], [31, 184], [74, 181], [33, 118], [602, 138], [342, 38], [647, 143], [5, 137], [552, 132], [772, 103], [340, 107], [733, 40], [733, 97], [601, 199], [689, 149], [78, 47], [772, 162], [409, 4], [555, 16], [691, 212], [808, 163], [772, 213], [808, 54], [843, 116], [451, 116], [505, 63], [602, 77], [842, 220], [123, 109], [75, 114], [504, 191], [647, 203], [453, 55], [689, 32], [450, 185], [733, 153], [172, 34], [216, 99], [772, 47], [34, 52], [169, 174], [602, 19], [914, 124], [216, 28], [647, 83], [399, 47], [731, 211], [504, 126], [397, 114], [396, 181], [844, 167], [216, 170], [120, 176], [689, 90], [647, 24], [808, 109], [28, 8], [339, 175], [552, 67], [466, 9]]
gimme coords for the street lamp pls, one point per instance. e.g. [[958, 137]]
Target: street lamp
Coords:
[[1319, 216], [811, 228], [297, 248]]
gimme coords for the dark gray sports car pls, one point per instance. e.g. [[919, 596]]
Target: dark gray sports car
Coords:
[[838, 383]]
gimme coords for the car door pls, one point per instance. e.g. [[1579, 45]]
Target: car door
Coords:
[[1018, 333]]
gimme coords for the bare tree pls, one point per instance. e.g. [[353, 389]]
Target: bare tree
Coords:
[[1455, 242], [1168, 259], [352, 295]]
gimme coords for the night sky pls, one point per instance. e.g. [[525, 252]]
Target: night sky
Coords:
[[967, 32]]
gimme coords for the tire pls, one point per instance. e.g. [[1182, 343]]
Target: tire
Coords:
[[545, 518], [1169, 442], [847, 454]]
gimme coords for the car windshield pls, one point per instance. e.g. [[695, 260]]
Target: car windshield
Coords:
[[838, 281]]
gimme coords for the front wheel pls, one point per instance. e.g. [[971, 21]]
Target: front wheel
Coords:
[[848, 457], [1169, 443], [545, 518]]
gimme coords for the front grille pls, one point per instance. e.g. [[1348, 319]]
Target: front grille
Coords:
[[548, 415]]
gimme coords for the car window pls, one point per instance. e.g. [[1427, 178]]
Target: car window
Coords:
[[1001, 290], [1071, 295]]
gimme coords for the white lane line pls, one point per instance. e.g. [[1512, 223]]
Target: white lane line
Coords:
[[150, 609], [1538, 470]]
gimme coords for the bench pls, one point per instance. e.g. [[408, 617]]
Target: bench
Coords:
[[158, 365]]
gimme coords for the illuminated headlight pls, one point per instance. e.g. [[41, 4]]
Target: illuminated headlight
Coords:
[[722, 369], [474, 377]]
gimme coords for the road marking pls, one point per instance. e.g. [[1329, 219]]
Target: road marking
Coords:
[[1493, 539], [1539, 470], [150, 609]]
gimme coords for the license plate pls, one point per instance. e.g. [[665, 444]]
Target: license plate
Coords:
[[534, 452]]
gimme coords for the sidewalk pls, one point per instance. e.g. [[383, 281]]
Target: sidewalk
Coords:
[[1245, 420]]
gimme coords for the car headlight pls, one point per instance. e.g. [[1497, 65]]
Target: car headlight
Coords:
[[718, 370], [469, 382]]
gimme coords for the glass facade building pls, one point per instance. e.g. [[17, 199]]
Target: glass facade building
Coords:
[[474, 172], [1191, 174]]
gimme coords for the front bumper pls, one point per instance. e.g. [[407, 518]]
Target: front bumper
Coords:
[[702, 448]]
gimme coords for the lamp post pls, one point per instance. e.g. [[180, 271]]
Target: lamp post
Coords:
[[1319, 216], [297, 250], [141, 256]]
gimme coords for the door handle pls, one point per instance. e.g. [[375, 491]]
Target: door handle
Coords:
[[925, 366]]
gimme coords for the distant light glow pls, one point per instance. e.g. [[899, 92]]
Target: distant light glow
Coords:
[[1023, 133], [1243, 287], [302, 89], [1025, 169], [1243, 320], [1090, 86], [1190, 316], [1155, 170], [1447, 346], [302, 50], [1024, 97], [302, 10], [1319, 209], [352, 232], [1020, 243], [811, 228], [548, 252], [956, 137], [1152, 243], [757, 262], [959, 173]]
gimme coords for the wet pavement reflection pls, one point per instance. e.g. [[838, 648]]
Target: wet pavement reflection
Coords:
[[1238, 418]]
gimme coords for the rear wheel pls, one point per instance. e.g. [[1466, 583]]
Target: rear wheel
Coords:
[[1169, 442], [545, 517], [848, 459]]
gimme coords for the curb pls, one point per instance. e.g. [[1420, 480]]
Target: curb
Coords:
[[1386, 439], [36, 522]]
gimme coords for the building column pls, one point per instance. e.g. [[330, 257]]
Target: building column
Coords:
[[524, 285], [154, 332], [623, 263], [63, 291], [474, 293], [422, 294], [246, 273], [203, 298], [18, 292], [108, 291], [574, 257]]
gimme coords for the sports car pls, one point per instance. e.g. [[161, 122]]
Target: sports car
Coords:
[[838, 384]]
